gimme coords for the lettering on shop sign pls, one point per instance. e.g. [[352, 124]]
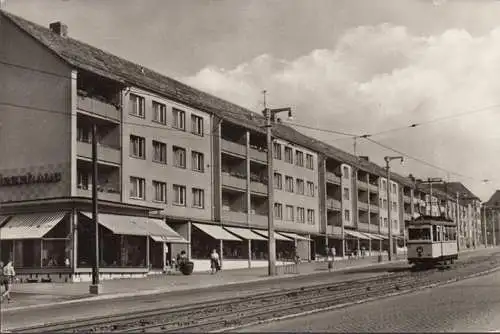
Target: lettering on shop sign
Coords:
[[29, 178]]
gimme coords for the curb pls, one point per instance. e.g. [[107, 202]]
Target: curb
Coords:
[[166, 290], [331, 308]]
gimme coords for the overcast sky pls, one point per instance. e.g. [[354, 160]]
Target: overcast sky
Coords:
[[356, 66]]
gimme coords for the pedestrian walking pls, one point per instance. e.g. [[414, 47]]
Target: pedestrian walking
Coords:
[[7, 278], [331, 258], [214, 261]]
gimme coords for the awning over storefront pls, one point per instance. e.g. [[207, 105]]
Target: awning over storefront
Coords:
[[372, 236], [30, 226], [277, 236], [119, 224], [294, 236], [216, 232], [245, 233], [356, 234], [3, 219], [159, 230]]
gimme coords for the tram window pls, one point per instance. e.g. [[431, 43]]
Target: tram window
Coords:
[[436, 233], [419, 234], [446, 235]]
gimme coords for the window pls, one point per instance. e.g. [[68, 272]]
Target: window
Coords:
[[83, 179], [310, 216], [384, 185], [179, 119], [436, 233], [179, 157], [289, 213], [197, 161], [299, 158], [345, 194], [160, 189], [137, 188], [394, 206], [345, 172], [83, 134], [277, 151], [300, 186], [197, 125], [278, 211], [309, 161], [137, 147], [419, 234], [393, 188], [384, 204], [301, 215], [289, 155], [385, 222], [159, 112], [137, 106], [347, 215], [310, 188], [159, 152], [198, 198], [179, 195], [278, 181], [289, 184]]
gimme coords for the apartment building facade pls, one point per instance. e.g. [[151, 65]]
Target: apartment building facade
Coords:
[[178, 169]]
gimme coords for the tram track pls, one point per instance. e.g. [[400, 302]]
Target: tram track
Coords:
[[241, 311]]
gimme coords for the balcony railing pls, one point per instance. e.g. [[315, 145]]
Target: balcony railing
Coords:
[[258, 187], [332, 178], [373, 187], [364, 227], [98, 107], [102, 193], [258, 153], [234, 181], [333, 204], [362, 206], [333, 230], [374, 208], [234, 216], [362, 185], [258, 220], [104, 153], [233, 147]]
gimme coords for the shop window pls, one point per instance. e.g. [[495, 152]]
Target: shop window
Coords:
[[235, 250], [202, 244], [6, 250], [27, 253], [55, 253], [259, 250]]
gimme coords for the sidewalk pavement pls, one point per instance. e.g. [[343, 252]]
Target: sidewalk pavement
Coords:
[[33, 295]]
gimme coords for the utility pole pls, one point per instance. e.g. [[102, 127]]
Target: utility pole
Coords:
[[457, 214], [389, 206], [494, 222], [484, 227], [269, 114], [94, 288]]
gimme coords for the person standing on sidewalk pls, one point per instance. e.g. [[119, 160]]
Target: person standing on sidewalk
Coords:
[[8, 275], [214, 261], [332, 259]]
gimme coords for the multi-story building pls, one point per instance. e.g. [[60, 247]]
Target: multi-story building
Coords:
[[491, 216], [178, 169]]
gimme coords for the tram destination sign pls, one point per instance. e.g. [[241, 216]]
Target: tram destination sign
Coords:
[[29, 178]]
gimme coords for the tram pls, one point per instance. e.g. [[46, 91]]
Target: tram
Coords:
[[432, 241]]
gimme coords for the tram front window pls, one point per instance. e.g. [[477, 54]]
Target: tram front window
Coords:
[[419, 234]]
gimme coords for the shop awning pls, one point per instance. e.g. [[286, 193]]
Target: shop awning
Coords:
[[372, 236], [356, 234], [294, 236], [119, 224], [277, 236], [159, 230], [3, 219], [30, 226], [382, 237], [216, 232], [245, 233]]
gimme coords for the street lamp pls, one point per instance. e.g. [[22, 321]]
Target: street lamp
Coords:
[[270, 114], [389, 208]]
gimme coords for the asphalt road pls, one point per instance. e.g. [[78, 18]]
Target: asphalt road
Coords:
[[472, 305]]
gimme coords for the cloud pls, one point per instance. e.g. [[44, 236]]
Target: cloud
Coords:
[[381, 77]]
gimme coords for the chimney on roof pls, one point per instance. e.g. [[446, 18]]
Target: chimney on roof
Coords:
[[364, 157], [59, 28]]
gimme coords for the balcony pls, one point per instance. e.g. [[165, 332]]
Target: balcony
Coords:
[[107, 195], [258, 154], [258, 220], [364, 227], [333, 204], [232, 147], [374, 209], [333, 230], [235, 182], [98, 107], [258, 187], [332, 178], [362, 185], [104, 153], [234, 217], [362, 206], [373, 188]]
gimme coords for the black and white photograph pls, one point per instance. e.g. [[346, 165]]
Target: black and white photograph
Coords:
[[208, 166]]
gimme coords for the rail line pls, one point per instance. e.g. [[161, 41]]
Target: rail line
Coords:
[[238, 311]]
